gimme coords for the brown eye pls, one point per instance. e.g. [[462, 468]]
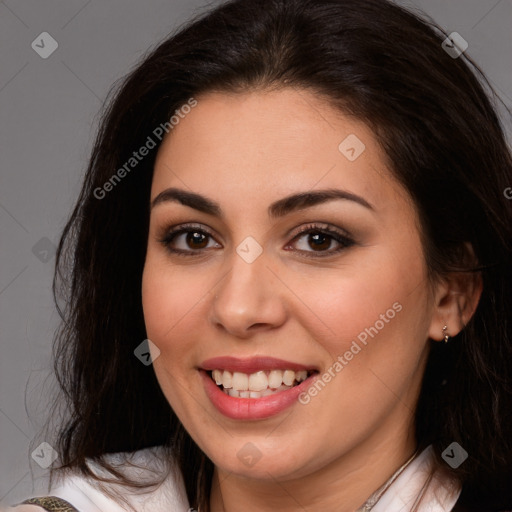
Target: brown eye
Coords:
[[188, 240], [320, 240], [196, 240]]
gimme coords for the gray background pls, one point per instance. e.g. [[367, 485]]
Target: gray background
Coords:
[[48, 110]]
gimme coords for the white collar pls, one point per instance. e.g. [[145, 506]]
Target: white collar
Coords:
[[87, 496], [438, 495]]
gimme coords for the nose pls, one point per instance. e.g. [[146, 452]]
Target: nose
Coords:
[[248, 299]]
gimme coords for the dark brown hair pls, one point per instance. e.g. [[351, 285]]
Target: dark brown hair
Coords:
[[435, 117]]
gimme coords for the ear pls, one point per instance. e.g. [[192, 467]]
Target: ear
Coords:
[[456, 298]]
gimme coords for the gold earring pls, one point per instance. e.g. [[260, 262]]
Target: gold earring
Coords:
[[446, 337]]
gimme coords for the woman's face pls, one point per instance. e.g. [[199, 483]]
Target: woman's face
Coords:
[[345, 305]]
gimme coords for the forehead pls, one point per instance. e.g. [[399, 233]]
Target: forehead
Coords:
[[271, 143]]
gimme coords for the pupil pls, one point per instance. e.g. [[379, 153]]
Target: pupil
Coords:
[[195, 239], [320, 241]]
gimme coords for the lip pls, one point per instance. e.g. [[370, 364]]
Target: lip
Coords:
[[252, 364], [253, 408]]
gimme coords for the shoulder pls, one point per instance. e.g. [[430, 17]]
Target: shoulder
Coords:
[[163, 490], [23, 508]]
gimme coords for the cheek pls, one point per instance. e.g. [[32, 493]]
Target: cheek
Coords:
[[169, 297], [366, 297], [171, 301], [377, 324]]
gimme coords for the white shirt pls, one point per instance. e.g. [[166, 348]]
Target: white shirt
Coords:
[[86, 495]]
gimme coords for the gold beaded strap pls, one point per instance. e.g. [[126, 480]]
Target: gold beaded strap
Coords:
[[51, 504]]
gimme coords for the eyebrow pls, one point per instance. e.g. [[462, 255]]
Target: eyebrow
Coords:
[[277, 209]]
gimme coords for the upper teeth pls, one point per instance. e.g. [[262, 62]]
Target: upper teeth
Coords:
[[258, 381]]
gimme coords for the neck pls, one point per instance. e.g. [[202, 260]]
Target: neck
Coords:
[[342, 486]]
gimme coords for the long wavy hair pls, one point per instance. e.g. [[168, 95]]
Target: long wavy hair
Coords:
[[436, 118]]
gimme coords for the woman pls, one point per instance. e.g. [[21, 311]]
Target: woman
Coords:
[[288, 274]]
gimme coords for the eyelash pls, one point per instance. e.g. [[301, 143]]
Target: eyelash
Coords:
[[341, 238]]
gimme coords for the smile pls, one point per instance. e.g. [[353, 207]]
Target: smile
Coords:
[[255, 388]]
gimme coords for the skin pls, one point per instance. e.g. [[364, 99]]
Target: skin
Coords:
[[245, 151]]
